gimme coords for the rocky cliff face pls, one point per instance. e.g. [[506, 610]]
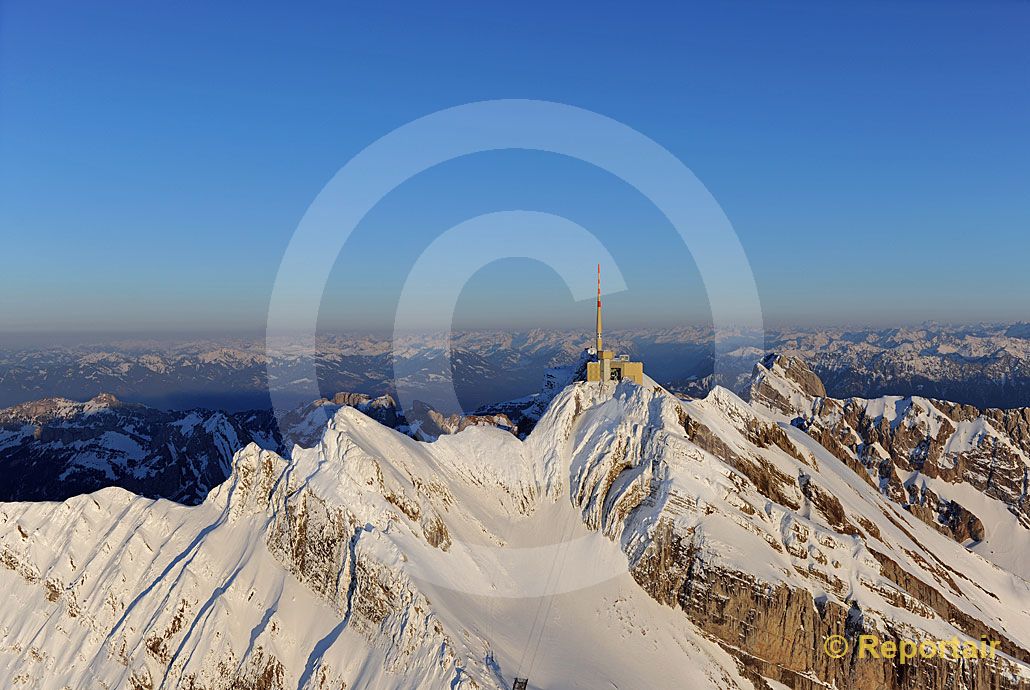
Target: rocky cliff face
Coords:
[[775, 544], [630, 540], [943, 462]]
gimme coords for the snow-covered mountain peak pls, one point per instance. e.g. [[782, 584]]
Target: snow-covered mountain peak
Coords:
[[102, 401], [255, 484], [650, 541], [784, 384]]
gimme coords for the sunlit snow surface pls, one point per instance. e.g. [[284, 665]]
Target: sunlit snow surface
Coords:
[[111, 590]]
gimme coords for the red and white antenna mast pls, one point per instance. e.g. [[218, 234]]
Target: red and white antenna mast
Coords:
[[599, 348]]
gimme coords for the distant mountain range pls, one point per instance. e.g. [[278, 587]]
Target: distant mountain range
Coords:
[[983, 365]]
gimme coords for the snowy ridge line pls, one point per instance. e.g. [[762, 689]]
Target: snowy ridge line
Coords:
[[920, 454]]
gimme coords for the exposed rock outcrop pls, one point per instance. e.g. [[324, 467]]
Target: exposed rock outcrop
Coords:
[[900, 443]]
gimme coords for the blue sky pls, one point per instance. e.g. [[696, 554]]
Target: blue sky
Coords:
[[874, 158]]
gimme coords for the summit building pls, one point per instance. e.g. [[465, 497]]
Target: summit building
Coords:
[[606, 365]]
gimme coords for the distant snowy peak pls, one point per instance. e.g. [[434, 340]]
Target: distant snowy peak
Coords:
[[987, 365], [55, 448], [49, 409]]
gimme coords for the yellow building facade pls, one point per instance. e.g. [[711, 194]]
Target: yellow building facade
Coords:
[[609, 368]]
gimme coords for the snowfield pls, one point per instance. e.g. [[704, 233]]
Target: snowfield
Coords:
[[632, 540]]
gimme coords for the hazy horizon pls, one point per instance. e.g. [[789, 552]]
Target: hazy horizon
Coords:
[[42, 338]]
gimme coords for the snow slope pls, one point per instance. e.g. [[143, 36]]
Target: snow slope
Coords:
[[961, 469], [630, 541]]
